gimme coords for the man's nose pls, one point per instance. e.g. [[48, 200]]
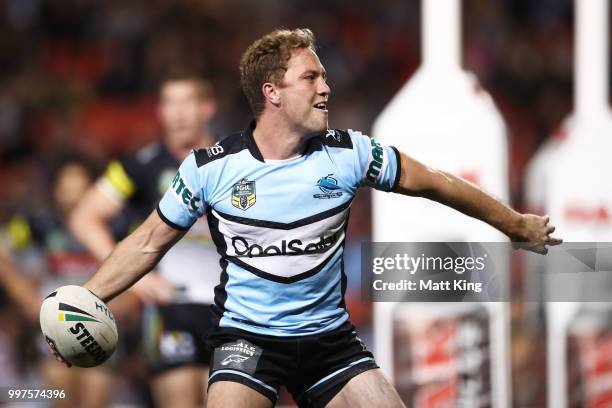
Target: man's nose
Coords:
[[324, 89]]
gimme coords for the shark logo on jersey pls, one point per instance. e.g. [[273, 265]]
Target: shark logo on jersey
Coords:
[[243, 194], [329, 186]]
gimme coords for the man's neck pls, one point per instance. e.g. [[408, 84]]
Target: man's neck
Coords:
[[276, 140], [181, 150]]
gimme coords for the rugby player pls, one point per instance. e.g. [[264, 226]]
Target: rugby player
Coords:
[[179, 293], [277, 196]]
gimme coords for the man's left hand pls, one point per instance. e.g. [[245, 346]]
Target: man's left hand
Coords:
[[533, 233]]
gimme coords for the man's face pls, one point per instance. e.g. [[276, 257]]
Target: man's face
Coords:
[[183, 111], [304, 92], [70, 185]]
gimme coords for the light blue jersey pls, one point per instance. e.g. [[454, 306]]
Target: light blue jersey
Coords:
[[279, 226]]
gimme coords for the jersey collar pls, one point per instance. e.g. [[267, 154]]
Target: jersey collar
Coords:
[[250, 142]]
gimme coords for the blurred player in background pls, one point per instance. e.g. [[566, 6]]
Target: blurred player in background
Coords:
[[178, 294], [64, 261], [278, 196]]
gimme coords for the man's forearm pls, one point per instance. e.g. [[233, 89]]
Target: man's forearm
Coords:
[[417, 179], [475, 202], [132, 258]]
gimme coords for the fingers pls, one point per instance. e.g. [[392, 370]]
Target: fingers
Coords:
[[549, 230], [537, 248], [61, 360], [537, 234], [58, 357], [541, 250]]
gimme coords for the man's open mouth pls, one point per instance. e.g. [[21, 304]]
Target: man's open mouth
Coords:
[[321, 105]]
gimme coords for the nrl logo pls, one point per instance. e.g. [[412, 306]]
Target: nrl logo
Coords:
[[243, 194]]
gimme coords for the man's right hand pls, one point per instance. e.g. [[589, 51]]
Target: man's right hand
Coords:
[[57, 356], [153, 288]]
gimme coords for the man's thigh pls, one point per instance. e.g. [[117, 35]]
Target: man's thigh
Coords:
[[232, 394], [368, 389]]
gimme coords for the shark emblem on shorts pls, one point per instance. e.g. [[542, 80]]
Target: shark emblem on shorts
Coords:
[[234, 358]]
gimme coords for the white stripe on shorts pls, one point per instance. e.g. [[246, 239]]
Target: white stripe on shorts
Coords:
[[322, 380], [245, 375]]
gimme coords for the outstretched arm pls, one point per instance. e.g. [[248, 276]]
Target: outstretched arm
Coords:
[[419, 180], [21, 289], [90, 223], [133, 257]]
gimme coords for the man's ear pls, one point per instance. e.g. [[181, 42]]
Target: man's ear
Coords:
[[271, 93]]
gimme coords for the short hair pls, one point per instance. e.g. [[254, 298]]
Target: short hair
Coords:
[[74, 158], [181, 73], [266, 61]]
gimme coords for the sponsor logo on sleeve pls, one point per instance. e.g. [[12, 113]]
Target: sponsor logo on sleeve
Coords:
[[376, 163], [184, 193]]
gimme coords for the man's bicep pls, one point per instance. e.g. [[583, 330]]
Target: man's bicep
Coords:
[[417, 179], [157, 234]]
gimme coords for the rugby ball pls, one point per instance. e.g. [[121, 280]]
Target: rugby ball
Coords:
[[78, 326]]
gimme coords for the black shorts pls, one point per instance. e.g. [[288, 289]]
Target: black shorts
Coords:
[[175, 335], [313, 368]]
